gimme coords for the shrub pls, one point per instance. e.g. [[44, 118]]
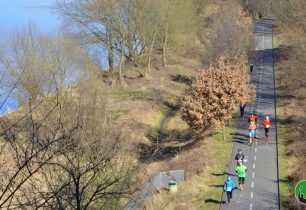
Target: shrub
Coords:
[[215, 93]]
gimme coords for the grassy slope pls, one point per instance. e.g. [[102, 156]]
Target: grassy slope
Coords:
[[285, 166], [214, 177], [201, 190], [147, 110], [205, 161], [284, 186]]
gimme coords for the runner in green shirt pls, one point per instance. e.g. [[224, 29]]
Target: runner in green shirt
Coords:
[[241, 173]]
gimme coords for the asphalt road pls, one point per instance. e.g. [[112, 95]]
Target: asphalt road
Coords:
[[261, 186]]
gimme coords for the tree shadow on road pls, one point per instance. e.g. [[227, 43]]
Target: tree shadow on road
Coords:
[[240, 134]]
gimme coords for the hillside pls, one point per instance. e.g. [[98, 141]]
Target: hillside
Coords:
[[289, 63], [89, 138]]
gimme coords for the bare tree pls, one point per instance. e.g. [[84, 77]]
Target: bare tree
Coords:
[[23, 153], [64, 154], [112, 24], [134, 27], [91, 170], [40, 63], [174, 19], [258, 8], [58, 151], [231, 36]]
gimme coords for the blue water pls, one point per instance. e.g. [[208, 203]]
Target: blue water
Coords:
[[17, 14]]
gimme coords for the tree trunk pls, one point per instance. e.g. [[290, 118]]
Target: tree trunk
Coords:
[[164, 55], [165, 46], [77, 194], [121, 63], [151, 50], [110, 51], [223, 132]]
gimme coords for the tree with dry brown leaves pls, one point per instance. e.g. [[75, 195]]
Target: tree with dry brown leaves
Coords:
[[215, 94]]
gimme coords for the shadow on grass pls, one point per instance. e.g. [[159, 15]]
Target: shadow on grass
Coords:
[[171, 106], [288, 180], [182, 79], [214, 201], [282, 52], [216, 185], [166, 144], [222, 174]]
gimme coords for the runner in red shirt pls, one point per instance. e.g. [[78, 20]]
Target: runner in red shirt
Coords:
[[252, 118], [267, 123]]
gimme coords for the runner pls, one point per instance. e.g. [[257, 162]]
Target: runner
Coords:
[[252, 132], [252, 118], [267, 124], [251, 68], [229, 187], [241, 173], [242, 107], [239, 156]]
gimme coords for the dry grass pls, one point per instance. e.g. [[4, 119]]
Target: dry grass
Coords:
[[150, 109], [205, 175], [291, 92]]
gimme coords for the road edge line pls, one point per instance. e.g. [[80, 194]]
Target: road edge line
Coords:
[[276, 139]]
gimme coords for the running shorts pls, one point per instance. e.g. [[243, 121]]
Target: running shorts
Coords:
[[241, 180], [252, 133], [229, 194]]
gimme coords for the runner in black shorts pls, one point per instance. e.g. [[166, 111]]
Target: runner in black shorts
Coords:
[[229, 187], [241, 173], [267, 123], [239, 156], [266, 131], [241, 180]]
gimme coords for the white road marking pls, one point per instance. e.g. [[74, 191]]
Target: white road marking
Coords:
[[255, 149], [254, 165], [238, 201], [255, 156], [252, 195], [251, 206], [252, 185], [253, 174]]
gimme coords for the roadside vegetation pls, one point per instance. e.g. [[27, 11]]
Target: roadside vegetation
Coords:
[[289, 62], [88, 136]]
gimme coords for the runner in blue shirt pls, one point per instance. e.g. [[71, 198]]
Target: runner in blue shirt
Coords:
[[229, 187]]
